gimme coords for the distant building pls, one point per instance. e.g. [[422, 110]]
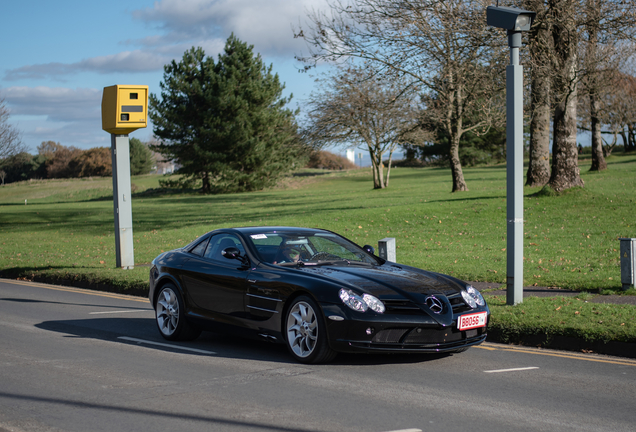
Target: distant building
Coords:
[[164, 166], [351, 155]]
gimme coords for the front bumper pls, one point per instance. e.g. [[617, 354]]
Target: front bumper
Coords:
[[391, 333]]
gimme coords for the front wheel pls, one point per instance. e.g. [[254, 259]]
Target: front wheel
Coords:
[[306, 334], [170, 316]]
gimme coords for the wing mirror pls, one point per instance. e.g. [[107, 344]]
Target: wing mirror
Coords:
[[234, 253], [368, 249], [231, 253]]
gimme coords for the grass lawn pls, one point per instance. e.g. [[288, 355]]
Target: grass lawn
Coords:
[[65, 230]]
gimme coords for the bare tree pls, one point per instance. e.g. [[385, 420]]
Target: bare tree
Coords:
[[442, 46], [572, 42], [356, 106], [607, 26], [540, 41], [622, 110], [616, 103], [10, 142], [48, 149], [564, 58], [592, 82], [58, 158]]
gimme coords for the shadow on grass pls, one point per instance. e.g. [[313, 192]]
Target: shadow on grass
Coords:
[[464, 198]]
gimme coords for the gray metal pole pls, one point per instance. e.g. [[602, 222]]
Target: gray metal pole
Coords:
[[122, 202], [514, 170]]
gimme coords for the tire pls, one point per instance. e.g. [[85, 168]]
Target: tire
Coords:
[[305, 332], [170, 316]]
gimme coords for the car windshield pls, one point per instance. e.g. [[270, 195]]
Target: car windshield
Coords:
[[308, 249]]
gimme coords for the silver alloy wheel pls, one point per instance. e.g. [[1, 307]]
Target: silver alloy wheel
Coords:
[[167, 311], [302, 329]]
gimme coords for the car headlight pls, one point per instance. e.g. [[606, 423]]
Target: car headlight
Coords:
[[473, 297], [361, 303]]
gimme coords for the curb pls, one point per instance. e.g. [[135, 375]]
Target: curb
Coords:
[[564, 343]]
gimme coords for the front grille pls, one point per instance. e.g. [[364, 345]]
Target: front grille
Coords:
[[406, 307]]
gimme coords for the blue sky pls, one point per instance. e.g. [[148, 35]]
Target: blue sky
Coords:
[[57, 56]]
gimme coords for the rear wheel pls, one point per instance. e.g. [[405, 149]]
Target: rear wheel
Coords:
[[170, 316], [306, 334]]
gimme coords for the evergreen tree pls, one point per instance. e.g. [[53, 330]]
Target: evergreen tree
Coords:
[[225, 122], [141, 160], [19, 167]]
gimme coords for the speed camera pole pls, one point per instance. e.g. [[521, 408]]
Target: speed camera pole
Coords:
[[514, 173], [122, 202], [124, 110], [514, 21]]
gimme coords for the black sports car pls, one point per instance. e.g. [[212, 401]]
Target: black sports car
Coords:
[[313, 290]]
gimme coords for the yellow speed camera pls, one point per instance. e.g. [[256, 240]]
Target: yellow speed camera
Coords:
[[124, 108]]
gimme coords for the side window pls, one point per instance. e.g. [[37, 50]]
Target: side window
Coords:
[[200, 248], [220, 242]]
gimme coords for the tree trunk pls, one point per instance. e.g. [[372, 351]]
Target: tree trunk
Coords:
[[598, 160], [539, 152], [388, 169], [205, 187], [624, 138], [607, 149], [594, 84], [376, 163], [631, 139], [539, 163], [565, 157], [459, 184], [454, 127]]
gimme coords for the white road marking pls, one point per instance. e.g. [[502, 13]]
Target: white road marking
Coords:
[[407, 430], [511, 370], [141, 341], [117, 312]]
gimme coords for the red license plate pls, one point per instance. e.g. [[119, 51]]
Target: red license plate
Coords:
[[471, 321]]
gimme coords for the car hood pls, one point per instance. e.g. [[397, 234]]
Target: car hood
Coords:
[[391, 281]]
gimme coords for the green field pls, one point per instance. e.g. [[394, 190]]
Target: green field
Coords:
[[64, 232], [570, 241]]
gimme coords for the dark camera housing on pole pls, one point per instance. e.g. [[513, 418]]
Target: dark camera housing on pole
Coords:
[[509, 18]]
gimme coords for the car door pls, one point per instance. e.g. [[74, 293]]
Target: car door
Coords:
[[263, 299], [216, 285]]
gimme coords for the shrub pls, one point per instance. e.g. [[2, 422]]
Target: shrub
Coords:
[[327, 160]]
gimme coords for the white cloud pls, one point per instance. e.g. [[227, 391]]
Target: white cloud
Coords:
[[266, 24], [127, 61], [185, 23], [58, 104]]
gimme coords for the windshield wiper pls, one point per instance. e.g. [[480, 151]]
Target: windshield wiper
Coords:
[[361, 263], [333, 262]]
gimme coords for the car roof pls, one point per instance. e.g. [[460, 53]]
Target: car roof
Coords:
[[279, 229]]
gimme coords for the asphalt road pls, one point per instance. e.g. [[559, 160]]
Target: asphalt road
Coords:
[[78, 360]]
